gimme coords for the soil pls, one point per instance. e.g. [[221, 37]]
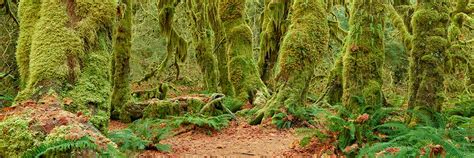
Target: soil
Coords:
[[237, 140]]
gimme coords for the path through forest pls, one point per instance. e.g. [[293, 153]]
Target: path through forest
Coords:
[[237, 140]]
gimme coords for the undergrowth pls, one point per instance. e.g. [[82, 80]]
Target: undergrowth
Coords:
[[72, 148], [147, 133], [386, 133]]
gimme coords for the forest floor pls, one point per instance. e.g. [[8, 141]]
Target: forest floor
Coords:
[[237, 140]]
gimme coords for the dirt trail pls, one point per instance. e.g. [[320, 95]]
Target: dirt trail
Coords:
[[238, 140]]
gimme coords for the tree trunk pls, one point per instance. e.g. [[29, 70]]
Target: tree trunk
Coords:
[[121, 71], [66, 47], [220, 41], [428, 56], [275, 25], [306, 40], [242, 68], [364, 56], [206, 59]]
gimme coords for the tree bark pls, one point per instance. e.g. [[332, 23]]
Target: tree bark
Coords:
[[121, 66]]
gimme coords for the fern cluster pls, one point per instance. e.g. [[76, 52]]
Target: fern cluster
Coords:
[[147, 133], [384, 132], [62, 148]]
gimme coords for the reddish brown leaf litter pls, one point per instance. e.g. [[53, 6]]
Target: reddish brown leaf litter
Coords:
[[238, 140], [116, 125]]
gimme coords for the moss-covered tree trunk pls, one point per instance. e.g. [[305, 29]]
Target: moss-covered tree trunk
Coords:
[[275, 25], [364, 56], [242, 68], [430, 22], [220, 41], [306, 40], [122, 45], [66, 48], [28, 16], [202, 39]]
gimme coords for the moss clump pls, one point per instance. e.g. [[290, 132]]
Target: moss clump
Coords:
[[306, 40], [164, 108], [122, 45], [243, 70], [364, 56], [69, 54], [275, 25], [161, 109], [16, 138], [430, 22]]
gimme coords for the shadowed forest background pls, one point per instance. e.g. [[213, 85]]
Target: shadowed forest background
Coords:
[[321, 78]]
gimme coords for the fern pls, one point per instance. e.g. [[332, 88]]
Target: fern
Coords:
[[128, 141], [65, 146]]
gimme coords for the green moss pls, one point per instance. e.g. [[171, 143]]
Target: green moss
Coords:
[[364, 56], [275, 26], [306, 40], [202, 39], [162, 109], [430, 22], [122, 47], [28, 15], [71, 55], [243, 72], [334, 95], [220, 41], [16, 137]]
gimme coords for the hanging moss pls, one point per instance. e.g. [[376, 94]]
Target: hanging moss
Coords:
[[243, 71], [220, 41], [430, 22], [202, 39], [71, 54], [275, 26], [459, 58], [122, 45], [306, 40], [364, 56]]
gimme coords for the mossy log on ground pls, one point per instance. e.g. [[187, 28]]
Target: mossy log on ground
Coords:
[[30, 128], [306, 40], [198, 104], [243, 71], [66, 48], [364, 56], [430, 22], [122, 46]]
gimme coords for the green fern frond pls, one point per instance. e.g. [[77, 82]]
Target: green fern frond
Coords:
[[62, 146]]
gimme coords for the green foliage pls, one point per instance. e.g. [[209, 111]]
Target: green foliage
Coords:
[[72, 147], [15, 137], [147, 133], [422, 141], [127, 140], [232, 104], [207, 122]]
